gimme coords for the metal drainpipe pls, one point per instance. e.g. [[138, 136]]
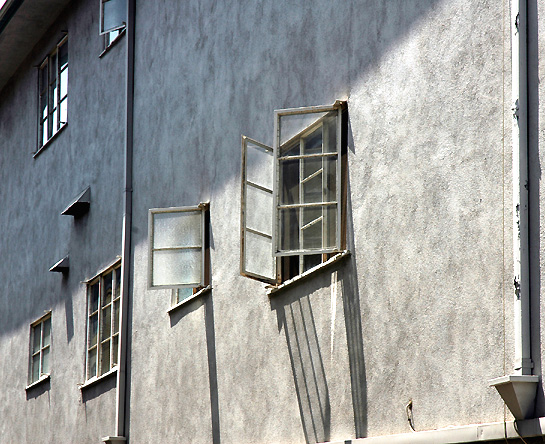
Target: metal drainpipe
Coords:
[[121, 398], [521, 258]]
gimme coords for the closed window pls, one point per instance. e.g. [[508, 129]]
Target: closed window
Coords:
[[103, 299], [40, 348], [113, 15], [178, 249], [53, 93], [292, 197]]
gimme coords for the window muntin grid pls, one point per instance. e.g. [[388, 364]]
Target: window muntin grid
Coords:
[[103, 300], [53, 93], [40, 349]]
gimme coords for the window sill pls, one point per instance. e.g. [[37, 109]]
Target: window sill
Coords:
[[112, 43], [189, 299], [49, 141], [42, 379], [96, 379], [271, 290]]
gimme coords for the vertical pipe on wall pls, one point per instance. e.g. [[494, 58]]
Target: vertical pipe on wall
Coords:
[[127, 227], [521, 258]]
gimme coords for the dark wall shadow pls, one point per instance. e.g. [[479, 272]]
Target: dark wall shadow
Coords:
[[105, 385], [534, 181], [212, 366], [38, 390], [295, 315]]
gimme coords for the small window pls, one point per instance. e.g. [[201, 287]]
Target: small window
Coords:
[[103, 299], [292, 194], [178, 249], [40, 348], [113, 15], [53, 93]]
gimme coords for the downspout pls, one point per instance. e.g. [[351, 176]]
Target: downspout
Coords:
[[519, 389], [121, 392]]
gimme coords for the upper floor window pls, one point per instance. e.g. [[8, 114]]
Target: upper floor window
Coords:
[[103, 299], [113, 15], [40, 347], [53, 93], [292, 194]]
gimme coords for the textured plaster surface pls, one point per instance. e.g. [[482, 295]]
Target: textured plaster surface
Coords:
[[421, 310]]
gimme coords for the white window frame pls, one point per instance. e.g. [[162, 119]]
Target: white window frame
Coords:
[[52, 93], [41, 349], [203, 208], [120, 25], [277, 251], [115, 300]]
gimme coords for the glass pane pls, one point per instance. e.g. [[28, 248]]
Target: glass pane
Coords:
[[289, 229], [44, 133], [182, 294], [312, 233], [36, 338], [93, 298], [311, 166], [330, 134], [115, 349], [289, 178], [54, 122], [45, 361], [104, 357], [177, 229], [53, 67], [92, 363], [106, 323], [93, 330], [64, 111], [111, 36], [114, 14], [330, 170], [177, 267], [43, 79], [43, 106], [312, 189], [312, 144], [259, 165], [64, 83], [311, 260], [63, 56], [54, 92], [330, 227], [258, 256], [117, 292], [292, 125], [107, 289], [259, 204], [116, 316], [47, 333], [36, 367]]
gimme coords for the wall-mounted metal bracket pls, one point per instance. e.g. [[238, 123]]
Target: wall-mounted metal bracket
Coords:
[[61, 266], [80, 205]]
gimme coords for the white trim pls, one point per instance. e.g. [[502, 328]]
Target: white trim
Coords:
[[43, 378], [96, 379], [463, 434], [274, 289]]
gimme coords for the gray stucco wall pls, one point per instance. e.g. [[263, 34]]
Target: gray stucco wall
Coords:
[[422, 308]]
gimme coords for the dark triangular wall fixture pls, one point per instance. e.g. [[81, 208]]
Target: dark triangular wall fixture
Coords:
[[80, 205]]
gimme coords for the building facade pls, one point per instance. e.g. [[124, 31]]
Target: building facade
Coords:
[[271, 222]]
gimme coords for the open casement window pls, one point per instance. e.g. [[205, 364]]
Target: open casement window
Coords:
[[292, 195], [53, 93], [103, 299], [40, 346], [178, 239], [113, 15], [257, 211]]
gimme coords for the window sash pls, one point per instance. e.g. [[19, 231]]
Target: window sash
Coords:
[[200, 249], [106, 310], [300, 157], [53, 93], [113, 15]]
